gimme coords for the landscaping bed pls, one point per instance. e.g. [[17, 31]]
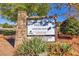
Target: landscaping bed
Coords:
[[71, 47], [62, 47]]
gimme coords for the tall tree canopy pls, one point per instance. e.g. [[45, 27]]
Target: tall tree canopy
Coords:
[[10, 10]]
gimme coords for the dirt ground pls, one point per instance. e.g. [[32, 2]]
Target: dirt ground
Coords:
[[6, 49], [7, 45]]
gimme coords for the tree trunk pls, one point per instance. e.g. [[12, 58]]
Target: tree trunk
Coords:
[[21, 33]]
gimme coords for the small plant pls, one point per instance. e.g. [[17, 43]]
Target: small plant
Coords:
[[32, 47], [58, 49]]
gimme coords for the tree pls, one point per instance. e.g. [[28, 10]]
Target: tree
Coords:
[[76, 5], [10, 10], [70, 27]]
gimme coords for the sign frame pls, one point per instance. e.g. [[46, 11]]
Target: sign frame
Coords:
[[55, 22]]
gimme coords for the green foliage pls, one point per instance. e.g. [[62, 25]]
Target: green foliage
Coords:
[[7, 32], [58, 49], [33, 47], [10, 10], [7, 26], [59, 23], [70, 27], [0, 25]]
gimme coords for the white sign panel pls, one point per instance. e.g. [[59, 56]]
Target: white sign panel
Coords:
[[41, 27]]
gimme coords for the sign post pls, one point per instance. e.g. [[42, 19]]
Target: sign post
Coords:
[[56, 34]]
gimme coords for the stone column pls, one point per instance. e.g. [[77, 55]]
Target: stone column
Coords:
[[21, 29]]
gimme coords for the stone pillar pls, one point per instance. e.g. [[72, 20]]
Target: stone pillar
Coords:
[[21, 33]]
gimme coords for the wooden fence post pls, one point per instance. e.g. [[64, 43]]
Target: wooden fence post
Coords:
[[21, 29]]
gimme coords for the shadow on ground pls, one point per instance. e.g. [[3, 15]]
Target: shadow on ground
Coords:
[[11, 40]]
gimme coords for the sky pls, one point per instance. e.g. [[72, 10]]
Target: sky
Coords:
[[59, 11], [2, 21], [52, 11]]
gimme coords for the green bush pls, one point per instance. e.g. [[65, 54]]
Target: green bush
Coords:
[[31, 48], [8, 32], [6, 25], [70, 27], [58, 49]]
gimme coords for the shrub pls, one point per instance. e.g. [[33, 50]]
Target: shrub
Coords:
[[58, 49], [8, 32], [70, 27], [33, 47], [6, 25]]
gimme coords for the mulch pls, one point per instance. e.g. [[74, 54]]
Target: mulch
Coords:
[[74, 41]]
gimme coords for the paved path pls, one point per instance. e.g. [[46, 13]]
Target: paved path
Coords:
[[6, 48]]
